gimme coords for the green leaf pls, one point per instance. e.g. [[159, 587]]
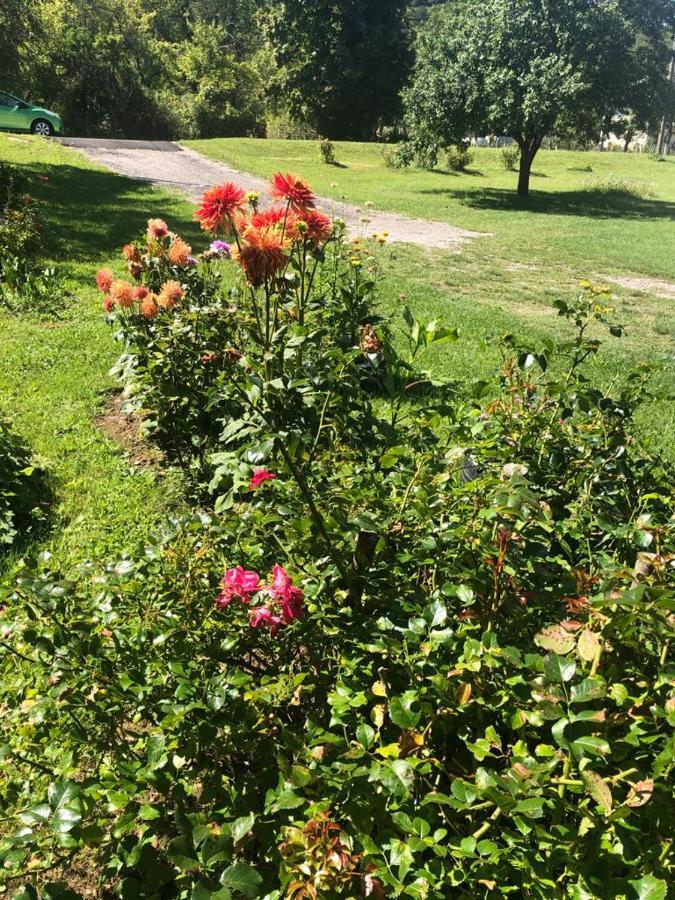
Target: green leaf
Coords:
[[401, 713], [365, 735], [532, 808], [598, 788], [37, 815], [241, 827], [242, 878], [559, 669], [650, 888], [397, 776], [592, 745], [588, 689], [181, 853]]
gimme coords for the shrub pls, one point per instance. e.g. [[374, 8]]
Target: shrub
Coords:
[[327, 150], [459, 157], [395, 156], [436, 663], [615, 184], [25, 285], [510, 157], [19, 486]]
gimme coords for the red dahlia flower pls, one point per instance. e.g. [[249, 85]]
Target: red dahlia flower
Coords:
[[122, 293], [157, 229], [292, 189], [319, 226], [179, 252], [170, 295], [219, 205], [149, 307]]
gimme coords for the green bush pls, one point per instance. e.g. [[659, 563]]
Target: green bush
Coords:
[[25, 284], [459, 157], [19, 487], [610, 183], [180, 355], [438, 660], [510, 157], [327, 150]]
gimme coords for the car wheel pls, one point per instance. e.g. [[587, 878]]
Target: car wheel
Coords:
[[42, 127]]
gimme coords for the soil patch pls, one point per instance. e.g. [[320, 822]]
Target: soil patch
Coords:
[[124, 429], [656, 286]]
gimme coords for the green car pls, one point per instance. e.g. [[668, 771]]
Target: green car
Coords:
[[19, 115]]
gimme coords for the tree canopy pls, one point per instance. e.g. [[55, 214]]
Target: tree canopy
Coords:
[[342, 65], [526, 67]]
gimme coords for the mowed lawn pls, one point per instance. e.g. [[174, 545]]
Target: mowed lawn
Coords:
[[566, 222], [54, 375]]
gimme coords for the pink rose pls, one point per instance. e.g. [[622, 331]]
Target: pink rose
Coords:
[[237, 583], [260, 476]]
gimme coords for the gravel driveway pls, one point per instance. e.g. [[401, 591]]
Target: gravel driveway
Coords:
[[172, 166]]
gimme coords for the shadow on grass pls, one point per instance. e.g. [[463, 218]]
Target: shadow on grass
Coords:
[[594, 204], [103, 211], [34, 520]]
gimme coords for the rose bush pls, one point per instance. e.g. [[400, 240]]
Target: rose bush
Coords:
[[420, 648]]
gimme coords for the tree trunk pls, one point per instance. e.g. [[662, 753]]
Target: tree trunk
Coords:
[[528, 150]]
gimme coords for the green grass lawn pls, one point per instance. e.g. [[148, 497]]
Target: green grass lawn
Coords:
[[562, 224], [54, 376]]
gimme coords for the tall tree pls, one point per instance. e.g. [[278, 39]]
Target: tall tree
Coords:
[[342, 65], [523, 67]]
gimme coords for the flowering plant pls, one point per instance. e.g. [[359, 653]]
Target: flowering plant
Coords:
[[277, 288], [428, 658]]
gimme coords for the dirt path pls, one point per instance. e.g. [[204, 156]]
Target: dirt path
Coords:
[[172, 166], [646, 285]]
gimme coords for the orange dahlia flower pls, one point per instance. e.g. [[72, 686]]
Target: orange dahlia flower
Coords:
[[140, 293], [104, 280], [157, 229], [170, 295], [130, 253], [277, 216], [292, 189], [149, 306], [319, 226], [219, 205], [180, 252], [263, 253], [122, 293]]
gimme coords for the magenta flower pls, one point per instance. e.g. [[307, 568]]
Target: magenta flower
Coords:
[[237, 583], [221, 248], [260, 476], [291, 598]]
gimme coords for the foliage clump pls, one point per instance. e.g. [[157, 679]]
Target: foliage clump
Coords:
[[327, 151], [459, 157], [25, 284], [19, 487], [420, 648], [509, 157]]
